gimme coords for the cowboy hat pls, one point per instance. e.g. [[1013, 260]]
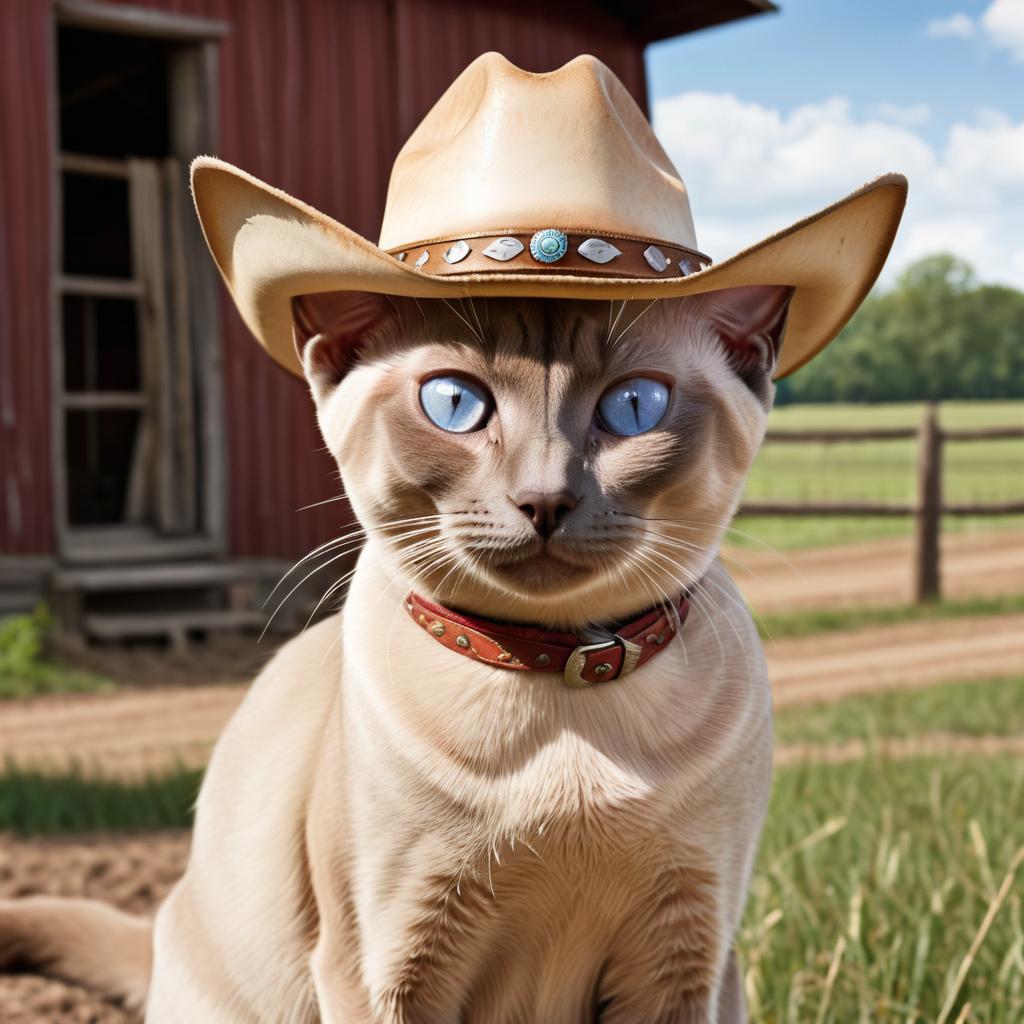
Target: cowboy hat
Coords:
[[534, 185]]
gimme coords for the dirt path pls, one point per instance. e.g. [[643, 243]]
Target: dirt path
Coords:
[[128, 733], [880, 572], [158, 726], [911, 655], [901, 748], [124, 734]]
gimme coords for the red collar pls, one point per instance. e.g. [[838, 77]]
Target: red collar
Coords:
[[593, 657]]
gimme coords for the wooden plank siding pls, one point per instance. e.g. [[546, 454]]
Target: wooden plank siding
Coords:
[[26, 494], [316, 97]]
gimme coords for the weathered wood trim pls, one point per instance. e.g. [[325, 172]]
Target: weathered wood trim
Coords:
[[138, 21], [826, 508], [928, 524], [182, 386], [97, 166], [58, 466], [834, 436], [100, 287], [983, 434], [987, 508], [155, 465], [104, 400], [194, 130], [128, 543]]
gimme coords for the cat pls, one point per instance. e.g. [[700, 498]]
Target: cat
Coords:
[[388, 832]]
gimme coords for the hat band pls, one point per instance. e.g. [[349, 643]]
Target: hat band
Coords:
[[581, 253]]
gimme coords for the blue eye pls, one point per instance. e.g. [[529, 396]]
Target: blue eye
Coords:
[[633, 406], [455, 404]]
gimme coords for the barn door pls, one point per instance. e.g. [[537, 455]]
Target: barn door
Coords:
[[129, 392], [138, 412], [162, 478]]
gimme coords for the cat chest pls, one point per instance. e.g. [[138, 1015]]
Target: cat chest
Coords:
[[520, 932]]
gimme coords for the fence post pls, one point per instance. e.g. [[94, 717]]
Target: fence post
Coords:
[[927, 574]]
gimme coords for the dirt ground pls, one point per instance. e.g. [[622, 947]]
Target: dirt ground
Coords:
[[132, 872], [128, 733], [877, 573]]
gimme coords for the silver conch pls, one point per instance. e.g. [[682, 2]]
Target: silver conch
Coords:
[[656, 258], [504, 248], [597, 250], [457, 251]]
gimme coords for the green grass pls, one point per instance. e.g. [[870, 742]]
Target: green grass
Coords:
[[883, 871], [35, 803], [813, 621], [878, 471], [991, 707], [25, 669]]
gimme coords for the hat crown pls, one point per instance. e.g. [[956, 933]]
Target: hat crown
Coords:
[[508, 150]]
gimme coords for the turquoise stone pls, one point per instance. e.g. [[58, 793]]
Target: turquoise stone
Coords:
[[549, 245]]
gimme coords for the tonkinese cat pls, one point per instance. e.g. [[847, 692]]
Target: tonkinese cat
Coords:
[[391, 832]]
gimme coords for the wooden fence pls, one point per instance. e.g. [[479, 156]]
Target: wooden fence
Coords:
[[927, 510]]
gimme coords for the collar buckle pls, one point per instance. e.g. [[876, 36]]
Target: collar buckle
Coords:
[[577, 661]]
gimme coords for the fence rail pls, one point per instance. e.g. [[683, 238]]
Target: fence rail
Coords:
[[929, 508]]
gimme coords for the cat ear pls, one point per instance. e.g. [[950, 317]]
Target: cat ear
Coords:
[[751, 322], [329, 329]]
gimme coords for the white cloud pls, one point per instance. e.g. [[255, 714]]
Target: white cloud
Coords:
[[1004, 24], [752, 170], [959, 26]]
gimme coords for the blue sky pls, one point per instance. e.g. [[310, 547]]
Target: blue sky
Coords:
[[772, 117]]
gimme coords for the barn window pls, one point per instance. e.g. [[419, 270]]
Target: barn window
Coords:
[[134, 302]]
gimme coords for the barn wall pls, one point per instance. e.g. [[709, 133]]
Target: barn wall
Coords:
[[26, 501], [316, 97]]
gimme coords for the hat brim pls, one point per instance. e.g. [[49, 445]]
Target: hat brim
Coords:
[[271, 247]]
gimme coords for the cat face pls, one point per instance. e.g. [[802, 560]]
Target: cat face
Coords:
[[551, 461]]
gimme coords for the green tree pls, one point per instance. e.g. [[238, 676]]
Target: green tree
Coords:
[[935, 334]]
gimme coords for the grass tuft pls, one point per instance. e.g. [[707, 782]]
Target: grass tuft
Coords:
[[992, 707], [35, 803], [813, 621], [872, 885], [25, 670]]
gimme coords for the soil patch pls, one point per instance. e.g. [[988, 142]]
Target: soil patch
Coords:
[[132, 872]]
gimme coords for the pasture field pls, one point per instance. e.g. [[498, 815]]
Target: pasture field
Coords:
[[889, 891], [878, 471]]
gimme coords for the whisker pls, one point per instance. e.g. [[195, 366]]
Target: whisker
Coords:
[[476, 317], [464, 320], [347, 551], [317, 504], [625, 331], [615, 322]]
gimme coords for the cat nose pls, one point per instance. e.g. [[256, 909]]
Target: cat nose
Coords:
[[545, 510]]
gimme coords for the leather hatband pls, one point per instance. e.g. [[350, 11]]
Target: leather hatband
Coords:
[[674, 260]]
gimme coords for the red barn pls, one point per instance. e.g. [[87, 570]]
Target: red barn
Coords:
[[151, 457]]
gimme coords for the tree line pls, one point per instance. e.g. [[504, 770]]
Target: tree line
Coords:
[[936, 334]]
